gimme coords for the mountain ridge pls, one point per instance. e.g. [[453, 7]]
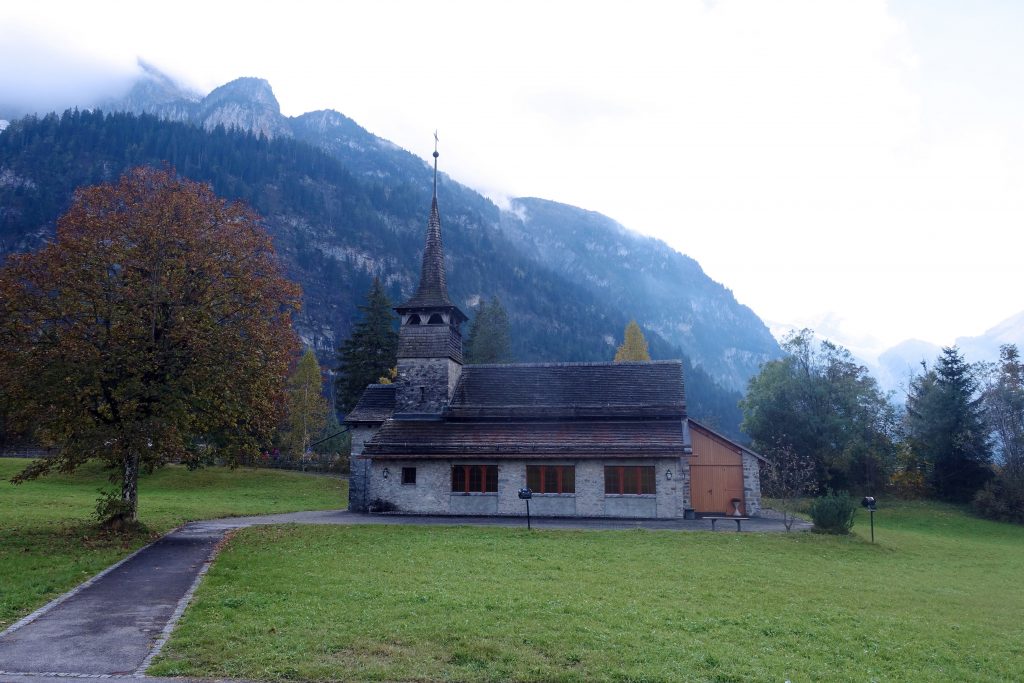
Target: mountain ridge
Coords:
[[728, 340], [391, 189]]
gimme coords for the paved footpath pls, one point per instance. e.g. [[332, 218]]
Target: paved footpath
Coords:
[[113, 625]]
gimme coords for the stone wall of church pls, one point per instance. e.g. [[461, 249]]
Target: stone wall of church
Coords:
[[358, 478], [751, 485], [425, 384], [431, 493]]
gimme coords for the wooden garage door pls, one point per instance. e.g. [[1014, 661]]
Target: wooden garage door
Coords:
[[716, 475]]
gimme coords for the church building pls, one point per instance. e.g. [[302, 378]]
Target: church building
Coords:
[[588, 439]]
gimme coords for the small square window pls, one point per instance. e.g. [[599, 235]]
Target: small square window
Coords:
[[408, 475]]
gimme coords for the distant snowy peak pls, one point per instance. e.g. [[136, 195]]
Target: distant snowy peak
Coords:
[[3, 124]]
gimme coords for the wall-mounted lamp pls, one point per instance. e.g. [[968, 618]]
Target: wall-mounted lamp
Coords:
[[668, 474], [386, 472]]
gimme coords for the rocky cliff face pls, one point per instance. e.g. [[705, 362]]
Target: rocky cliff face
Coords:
[[244, 103]]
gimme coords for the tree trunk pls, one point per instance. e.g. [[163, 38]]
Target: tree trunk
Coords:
[[130, 488]]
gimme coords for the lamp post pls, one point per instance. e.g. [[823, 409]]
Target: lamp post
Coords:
[[869, 503], [526, 494]]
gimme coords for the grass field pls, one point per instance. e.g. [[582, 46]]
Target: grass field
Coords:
[[939, 598], [49, 541]]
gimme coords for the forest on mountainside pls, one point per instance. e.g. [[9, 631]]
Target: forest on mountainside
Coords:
[[334, 230]]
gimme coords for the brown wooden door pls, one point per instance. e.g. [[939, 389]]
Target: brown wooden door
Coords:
[[716, 475]]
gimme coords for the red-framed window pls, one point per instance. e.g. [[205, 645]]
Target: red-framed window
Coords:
[[551, 478], [474, 478], [629, 479]]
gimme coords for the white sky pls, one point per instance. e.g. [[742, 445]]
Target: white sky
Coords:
[[852, 166]]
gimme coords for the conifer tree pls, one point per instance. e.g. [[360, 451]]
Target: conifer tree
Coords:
[[634, 346], [307, 407], [489, 340], [946, 427], [370, 352]]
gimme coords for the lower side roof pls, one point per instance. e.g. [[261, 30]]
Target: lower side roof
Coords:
[[625, 439]]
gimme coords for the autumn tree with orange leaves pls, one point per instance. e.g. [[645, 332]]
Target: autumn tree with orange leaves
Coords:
[[156, 327]]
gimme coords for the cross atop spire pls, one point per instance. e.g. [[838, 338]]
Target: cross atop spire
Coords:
[[436, 155]]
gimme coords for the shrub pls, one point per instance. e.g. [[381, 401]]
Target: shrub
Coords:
[[1002, 499], [833, 513]]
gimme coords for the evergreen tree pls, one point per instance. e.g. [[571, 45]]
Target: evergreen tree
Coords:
[[370, 352], [634, 346], [489, 340], [946, 427], [307, 407]]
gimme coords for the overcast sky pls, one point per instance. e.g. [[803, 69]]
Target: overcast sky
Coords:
[[856, 167]]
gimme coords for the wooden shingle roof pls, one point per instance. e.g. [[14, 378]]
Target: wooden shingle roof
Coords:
[[431, 439], [642, 390], [374, 406], [548, 410], [433, 288]]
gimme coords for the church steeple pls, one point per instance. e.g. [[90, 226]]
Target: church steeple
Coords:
[[433, 289], [429, 340]]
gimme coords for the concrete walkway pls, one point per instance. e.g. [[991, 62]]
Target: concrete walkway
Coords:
[[112, 626]]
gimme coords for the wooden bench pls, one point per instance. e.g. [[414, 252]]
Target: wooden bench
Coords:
[[714, 519]]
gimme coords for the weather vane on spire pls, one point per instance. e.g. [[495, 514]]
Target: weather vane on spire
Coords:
[[435, 162]]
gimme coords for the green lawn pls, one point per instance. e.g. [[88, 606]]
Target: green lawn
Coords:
[[49, 541], [940, 597]]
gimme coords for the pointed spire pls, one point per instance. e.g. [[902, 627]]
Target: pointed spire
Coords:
[[433, 289]]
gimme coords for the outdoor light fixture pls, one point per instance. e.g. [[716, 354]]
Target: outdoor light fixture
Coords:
[[386, 473], [869, 503], [526, 494], [668, 474]]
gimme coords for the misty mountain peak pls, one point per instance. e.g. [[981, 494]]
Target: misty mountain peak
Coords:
[[157, 81], [154, 92], [245, 103], [250, 90]]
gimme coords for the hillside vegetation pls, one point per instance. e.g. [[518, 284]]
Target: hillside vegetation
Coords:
[[336, 230]]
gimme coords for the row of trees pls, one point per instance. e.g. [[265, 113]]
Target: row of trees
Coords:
[[823, 418]]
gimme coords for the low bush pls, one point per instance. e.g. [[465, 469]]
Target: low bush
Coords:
[[1002, 499], [832, 513]]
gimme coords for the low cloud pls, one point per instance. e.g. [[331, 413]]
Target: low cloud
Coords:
[[38, 76]]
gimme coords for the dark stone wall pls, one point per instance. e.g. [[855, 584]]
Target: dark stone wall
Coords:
[[425, 385]]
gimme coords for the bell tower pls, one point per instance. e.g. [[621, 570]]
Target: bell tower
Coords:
[[429, 339]]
